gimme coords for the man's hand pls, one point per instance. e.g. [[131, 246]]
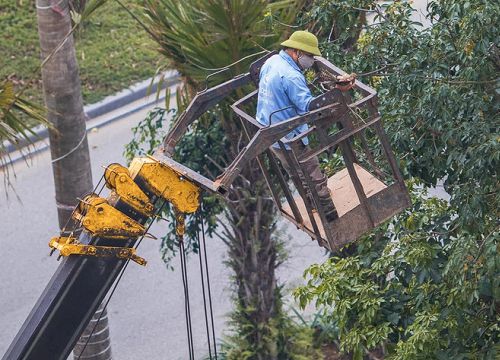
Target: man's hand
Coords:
[[345, 82]]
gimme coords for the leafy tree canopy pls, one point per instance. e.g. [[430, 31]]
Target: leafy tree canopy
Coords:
[[425, 286]]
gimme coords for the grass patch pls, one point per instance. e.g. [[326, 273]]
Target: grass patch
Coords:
[[113, 51]]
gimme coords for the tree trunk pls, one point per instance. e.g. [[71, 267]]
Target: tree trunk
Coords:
[[68, 139], [253, 257], [98, 346]]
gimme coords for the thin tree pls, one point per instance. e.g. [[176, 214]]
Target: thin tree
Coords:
[[68, 139]]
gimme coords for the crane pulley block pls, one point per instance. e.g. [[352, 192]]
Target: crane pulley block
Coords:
[[68, 245], [118, 179], [136, 187], [167, 183], [101, 219]]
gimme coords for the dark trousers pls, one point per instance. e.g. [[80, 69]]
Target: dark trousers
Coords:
[[317, 177]]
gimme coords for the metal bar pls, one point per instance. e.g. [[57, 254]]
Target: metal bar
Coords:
[[312, 189], [358, 187], [261, 162], [247, 117], [337, 138], [267, 178], [264, 138], [183, 170], [201, 103], [389, 155], [245, 99], [288, 195], [358, 85], [68, 302], [295, 168], [308, 231], [370, 157], [319, 207], [363, 101]]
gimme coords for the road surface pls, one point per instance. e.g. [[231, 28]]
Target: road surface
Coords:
[[146, 312]]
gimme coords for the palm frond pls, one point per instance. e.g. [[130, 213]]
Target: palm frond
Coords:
[[200, 36], [14, 129]]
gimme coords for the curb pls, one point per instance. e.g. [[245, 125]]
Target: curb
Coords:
[[108, 104], [126, 96]]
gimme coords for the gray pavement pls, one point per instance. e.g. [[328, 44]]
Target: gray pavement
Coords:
[[146, 311]]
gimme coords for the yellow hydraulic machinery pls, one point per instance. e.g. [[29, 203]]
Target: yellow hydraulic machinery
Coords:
[[118, 179], [105, 236], [164, 181], [101, 219], [134, 190], [69, 245]]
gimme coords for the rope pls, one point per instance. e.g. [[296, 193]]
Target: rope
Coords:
[[185, 286], [48, 7], [72, 150], [265, 51], [225, 68]]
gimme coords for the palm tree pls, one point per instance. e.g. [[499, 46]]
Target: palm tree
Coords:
[[14, 129], [198, 37], [68, 137]]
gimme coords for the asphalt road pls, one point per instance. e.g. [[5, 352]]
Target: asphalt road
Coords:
[[146, 311]]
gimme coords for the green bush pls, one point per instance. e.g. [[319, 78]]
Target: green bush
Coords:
[[425, 286]]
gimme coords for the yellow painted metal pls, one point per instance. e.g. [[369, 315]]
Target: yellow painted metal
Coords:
[[166, 183], [180, 227], [118, 179], [101, 219], [70, 246], [58, 242]]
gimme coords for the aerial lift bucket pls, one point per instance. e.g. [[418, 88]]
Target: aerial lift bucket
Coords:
[[367, 187]]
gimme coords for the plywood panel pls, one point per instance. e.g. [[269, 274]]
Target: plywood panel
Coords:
[[343, 194]]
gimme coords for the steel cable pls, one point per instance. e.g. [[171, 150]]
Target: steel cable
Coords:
[[187, 306], [208, 285], [203, 263], [203, 288], [116, 283]]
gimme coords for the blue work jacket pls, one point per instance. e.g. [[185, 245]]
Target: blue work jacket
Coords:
[[282, 84]]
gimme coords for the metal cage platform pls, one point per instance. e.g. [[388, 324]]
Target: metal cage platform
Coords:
[[367, 185]]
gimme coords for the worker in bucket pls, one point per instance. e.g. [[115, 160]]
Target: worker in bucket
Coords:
[[282, 85]]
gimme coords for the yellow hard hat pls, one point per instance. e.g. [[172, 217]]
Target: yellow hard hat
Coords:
[[303, 40]]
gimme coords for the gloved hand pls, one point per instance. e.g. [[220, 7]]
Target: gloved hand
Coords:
[[346, 82]]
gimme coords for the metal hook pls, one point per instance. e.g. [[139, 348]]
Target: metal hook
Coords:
[[285, 108], [279, 110], [150, 236]]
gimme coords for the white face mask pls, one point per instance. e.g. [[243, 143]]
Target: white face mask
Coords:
[[305, 61]]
